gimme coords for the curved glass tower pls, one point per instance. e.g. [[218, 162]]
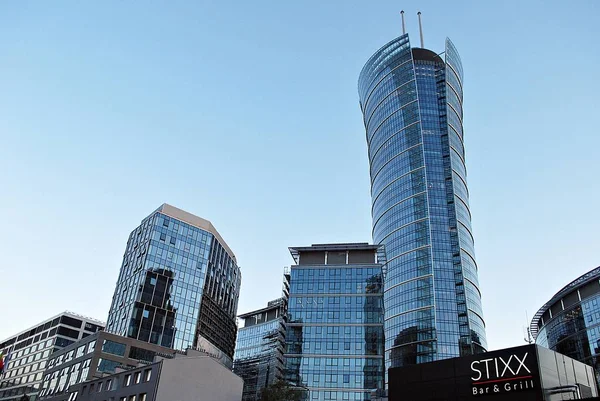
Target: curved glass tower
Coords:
[[411, 99]]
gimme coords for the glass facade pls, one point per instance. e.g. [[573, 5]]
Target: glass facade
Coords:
[[29, 353], [411, 101], [178, 283], [259, 349], [334, 336], [570, 322]]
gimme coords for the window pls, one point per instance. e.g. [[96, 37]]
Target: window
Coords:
[[109, 385], [107, 366], [137, 376], [147, 375], [85, 370], [112, 347], [100, 386], [67, 332], [73, 396], [143, 397], [132, 398], [74, 374], [80, 351], [92, 346], [141, 354], [127, 381]]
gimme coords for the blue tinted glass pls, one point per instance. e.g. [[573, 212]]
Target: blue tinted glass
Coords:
[[412, 106], [334, 338]]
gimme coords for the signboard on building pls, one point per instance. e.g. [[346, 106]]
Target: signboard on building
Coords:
[[511, 374], [505, 371]]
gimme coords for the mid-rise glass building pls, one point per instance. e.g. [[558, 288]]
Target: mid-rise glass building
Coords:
[[259, 349], [334, 336], [412, 104], [569, 323], [27, 353], [178, 286]]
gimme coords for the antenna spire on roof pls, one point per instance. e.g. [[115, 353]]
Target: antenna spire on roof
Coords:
[[403, 26], [421, 30]]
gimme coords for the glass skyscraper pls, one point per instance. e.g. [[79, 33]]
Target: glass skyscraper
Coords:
[[178, 286], [334, 337], [411, 100]]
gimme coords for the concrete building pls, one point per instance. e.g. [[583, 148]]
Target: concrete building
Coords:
[[27, 352], [93, 357], [259, 349], [178, 286], [194, 376]]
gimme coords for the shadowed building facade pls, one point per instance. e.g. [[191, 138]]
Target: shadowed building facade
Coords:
[[411, 100]]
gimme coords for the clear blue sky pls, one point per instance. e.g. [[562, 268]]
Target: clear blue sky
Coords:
[[247, 114]]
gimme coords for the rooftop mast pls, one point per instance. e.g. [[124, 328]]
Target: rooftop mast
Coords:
[[421, 30], [403, 26]]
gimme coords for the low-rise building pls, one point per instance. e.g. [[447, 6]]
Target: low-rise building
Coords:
[[194, 376], [27, 353], [95, 356]]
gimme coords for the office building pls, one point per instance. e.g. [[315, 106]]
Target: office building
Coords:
[[193, 376], [334, 336], [92, 357], [27, 352], [526, 373], [259, 349], [411, 99], [178, 286], [568, 322]]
